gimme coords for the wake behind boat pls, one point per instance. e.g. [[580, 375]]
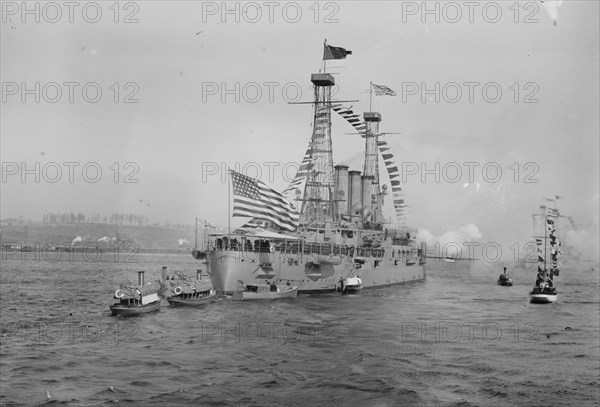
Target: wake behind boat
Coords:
[[337, 228]]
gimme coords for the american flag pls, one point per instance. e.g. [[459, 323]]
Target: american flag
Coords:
[[253, 198], [381, 90]]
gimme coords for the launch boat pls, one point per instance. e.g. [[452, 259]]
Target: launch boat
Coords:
[[352, 285], [136, 300], [189, 292], [264, 292], [335, 228], [543, 291]]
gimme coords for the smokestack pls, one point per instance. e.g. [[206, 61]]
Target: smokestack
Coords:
[[367, 190], [198, 273], [354, 190], [164, 273], [341, 188], [140, 278]]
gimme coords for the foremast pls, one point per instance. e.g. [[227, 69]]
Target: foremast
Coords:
[[317, 199]]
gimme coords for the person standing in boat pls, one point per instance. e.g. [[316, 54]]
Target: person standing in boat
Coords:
[[540, 278]]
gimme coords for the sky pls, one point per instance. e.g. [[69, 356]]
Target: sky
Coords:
[[141, 107]]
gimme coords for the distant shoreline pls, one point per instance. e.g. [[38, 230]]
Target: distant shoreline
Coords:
[[79, 237]]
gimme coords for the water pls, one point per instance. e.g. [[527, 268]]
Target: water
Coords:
[[457, 339]]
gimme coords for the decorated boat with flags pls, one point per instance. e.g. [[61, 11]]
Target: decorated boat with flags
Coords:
[[544, 290], [185, 291], [138, 300], [328, 225]]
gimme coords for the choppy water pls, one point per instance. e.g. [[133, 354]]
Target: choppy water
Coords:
[[457, 339]]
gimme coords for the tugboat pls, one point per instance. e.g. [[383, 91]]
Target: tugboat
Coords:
[[505, 280], [136, 300], [188, 292]]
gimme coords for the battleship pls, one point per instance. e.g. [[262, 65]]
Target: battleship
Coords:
[[339, 231]]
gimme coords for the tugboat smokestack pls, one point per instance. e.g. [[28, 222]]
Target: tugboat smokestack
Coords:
[[164, 273], [198, 272], [140, 278]]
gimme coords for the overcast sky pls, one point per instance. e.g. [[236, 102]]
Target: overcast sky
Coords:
[[175, 61]]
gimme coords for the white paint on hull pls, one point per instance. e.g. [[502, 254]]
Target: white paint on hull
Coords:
[[226, 268]]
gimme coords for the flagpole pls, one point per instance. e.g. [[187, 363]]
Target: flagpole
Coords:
[[545, 241], [324, 59], [229, 207], [196, 235], [371, 97]]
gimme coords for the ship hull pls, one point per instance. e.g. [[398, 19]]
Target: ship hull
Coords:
[[132, 310], [177, 301], [312, 274], [542, 298], [544, 295]]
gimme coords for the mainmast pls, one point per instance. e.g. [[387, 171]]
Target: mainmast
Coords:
[[373, 199]]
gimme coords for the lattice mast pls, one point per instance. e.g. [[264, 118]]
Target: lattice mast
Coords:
[[371, 164], [317, 199]]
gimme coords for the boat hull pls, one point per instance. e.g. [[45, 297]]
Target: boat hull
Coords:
[[542, 298], [505, 283], [247, 295], [542, 295], [226, 268], [177, 301], [131, 310], [352, 290]]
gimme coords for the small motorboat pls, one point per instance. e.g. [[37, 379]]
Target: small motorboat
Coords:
[[136, 300], [505, 280], [264, 292], [352, 285], [188, 292]]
